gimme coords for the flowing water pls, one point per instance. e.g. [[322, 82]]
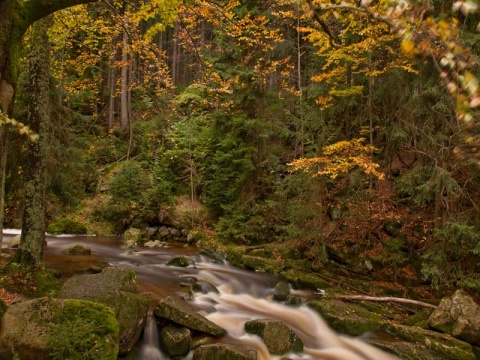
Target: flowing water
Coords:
[[243, 295]]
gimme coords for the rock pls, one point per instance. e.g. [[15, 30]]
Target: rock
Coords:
[[116, 288], [152, 244], [13, 244], [175, 341], [151, 231], [459, 316], [346, 318], [163, 231], [441, 344], [293, 301], [132, 236], [277, 337], [224, 352], [174, 232], [180, 261], [78, 249], [45, 328], [281, 291], [179, 311], [273, 266]]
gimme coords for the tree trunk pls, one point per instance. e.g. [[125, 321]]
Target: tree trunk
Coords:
[[15, 18], [124, 121], [31, 249]]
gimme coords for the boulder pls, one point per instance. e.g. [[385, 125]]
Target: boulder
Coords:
[[78, 249], [116, 288], [46, 328], [13, 244], [132, 236], [281, 291], [180, 261], [180, 312], [163, 231], [277, 337], [152, 244], [224, 352], [175, 341], [459, 316]]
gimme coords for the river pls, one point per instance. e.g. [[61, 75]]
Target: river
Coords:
[[243, 295]]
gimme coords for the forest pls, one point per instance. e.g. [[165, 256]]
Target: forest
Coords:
[[346, 131]]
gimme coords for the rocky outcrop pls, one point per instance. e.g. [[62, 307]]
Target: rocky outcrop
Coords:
[[179, 312], [459, 316], [116, 288], [224, 352], [45, 328], [277, 337], [78, 249]]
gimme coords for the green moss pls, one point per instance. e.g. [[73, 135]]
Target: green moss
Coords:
[[305, 280], [83, 330], [66, 226]]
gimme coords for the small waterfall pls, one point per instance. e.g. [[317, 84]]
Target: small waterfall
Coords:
[[150, 349]]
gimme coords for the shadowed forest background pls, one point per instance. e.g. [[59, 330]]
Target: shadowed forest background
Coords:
[[261, 124]]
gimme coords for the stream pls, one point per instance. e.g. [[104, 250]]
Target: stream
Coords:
[[243, 295]]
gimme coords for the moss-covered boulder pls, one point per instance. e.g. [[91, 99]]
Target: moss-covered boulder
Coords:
[[305, 280], [78, 249], [459, 316], [346, 318], [272, 266], [175, 340], [281, 291], [116, 288], [46, 328], [180, 261], [224, 352], [277, 337], [132, 237], [180, 312], [440, 345]]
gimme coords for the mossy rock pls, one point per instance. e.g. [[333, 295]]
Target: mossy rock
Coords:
[[66, 226], [305, 280], [175, 341], [419, 319], [346, 318], [116, 288], [224, 352], [444, 345], [46, 328], [180, 261], [78, 249], [277, 337], [281, 291], [272, 266], [235, 256]]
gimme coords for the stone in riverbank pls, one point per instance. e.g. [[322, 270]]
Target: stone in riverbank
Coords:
[[178, 311], [38, 328], [277, 337], [78, 249], [116, 288], [175, 341]]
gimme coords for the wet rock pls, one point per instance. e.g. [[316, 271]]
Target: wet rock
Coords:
[[277, 337], [116, 288], [180, 312], [37, 328], [78, 249], [281, 291], [175, 341], [441, 344], [180, 261], [156, 243], [459, 316], [346, 318], [151, 231], [293, 300], [13, 244], [174, 232], [224, 352], [131, 237]]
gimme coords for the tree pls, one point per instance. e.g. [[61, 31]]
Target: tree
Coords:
[[30, 250], [15, 18]]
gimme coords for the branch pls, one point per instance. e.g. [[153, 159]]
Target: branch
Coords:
[[334, 40], [384, 299]]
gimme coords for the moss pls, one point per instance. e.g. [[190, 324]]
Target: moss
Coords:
[[419, 319], [83, 330], [305, 280], [66, 226]]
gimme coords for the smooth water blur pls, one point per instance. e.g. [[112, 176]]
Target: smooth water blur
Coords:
[[243, 295]]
